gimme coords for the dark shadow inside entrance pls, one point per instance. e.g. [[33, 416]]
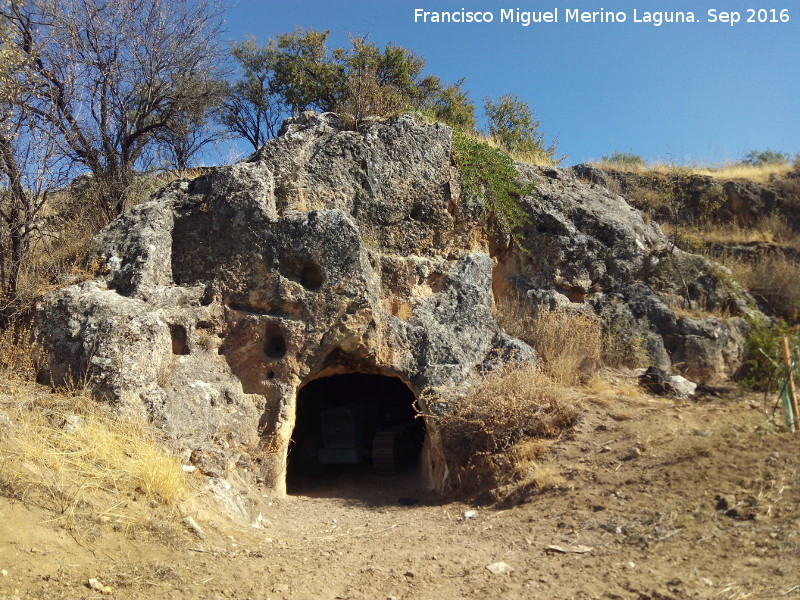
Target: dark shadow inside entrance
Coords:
[[356, 435]]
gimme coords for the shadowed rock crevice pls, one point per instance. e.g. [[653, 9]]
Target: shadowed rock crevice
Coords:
[[179, 344]]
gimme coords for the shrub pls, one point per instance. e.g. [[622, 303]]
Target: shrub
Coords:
[[490, 174], [513, 126], [756, 158], [626, 159], [494, 434], [763, 358]]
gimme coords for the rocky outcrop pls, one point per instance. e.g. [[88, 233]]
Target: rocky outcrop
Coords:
[[586, 248], [335, 251], [327, 252], [692, 196]]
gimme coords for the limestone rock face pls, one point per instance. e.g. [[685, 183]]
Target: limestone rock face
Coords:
[[586, 248], [327, 252], [703, 197], [334, 251]]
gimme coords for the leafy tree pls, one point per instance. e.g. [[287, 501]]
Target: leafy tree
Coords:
[[451, 105], [185, 140], [756, 158], [188, 133], [30, 169], [298, 71], [252, 109], [380, 82], [104, 78], [513, 125], [306, 75]]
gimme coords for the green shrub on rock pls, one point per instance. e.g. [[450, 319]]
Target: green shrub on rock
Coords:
[[489, 173]]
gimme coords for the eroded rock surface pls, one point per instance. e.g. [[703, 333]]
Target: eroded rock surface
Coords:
[[587, 249], [335, 251], [326, 252]]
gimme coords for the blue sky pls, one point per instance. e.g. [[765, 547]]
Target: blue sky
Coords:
[[682, 92]]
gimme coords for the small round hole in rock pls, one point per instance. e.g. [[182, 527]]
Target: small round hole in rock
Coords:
[[208, 297]]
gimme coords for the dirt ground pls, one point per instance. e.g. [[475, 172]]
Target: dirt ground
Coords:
[[663, 500]]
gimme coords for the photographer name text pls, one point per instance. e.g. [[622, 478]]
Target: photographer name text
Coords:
[[654, 18]]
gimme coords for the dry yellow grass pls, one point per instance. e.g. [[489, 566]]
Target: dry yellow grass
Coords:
[[761, 174], [726, 172], [64, 450], [16, 359], [771, 228], [774, 279], [608, 388], [684, 311], [541, 159], [529, 469], [569, 343], [495, 436]]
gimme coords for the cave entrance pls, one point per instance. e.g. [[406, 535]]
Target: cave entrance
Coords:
[[352, 431]]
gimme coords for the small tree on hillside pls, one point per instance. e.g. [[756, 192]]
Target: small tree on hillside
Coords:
[[453, 106], [512, 124], [30, 169], [188, 134], [252, 109], [298, 71], [625, 159], [381, 82], [305, 74]]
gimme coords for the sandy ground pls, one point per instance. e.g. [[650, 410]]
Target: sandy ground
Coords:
[[663, 500]]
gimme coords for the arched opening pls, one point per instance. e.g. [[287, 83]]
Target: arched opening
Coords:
[[351, 428]]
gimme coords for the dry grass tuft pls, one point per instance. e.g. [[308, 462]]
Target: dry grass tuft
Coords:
[[608, 389], [773, 279], [495, 435], [772, 228], [529, 471], [16, 358], [569, 343], [64, 450], [541, 158]]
